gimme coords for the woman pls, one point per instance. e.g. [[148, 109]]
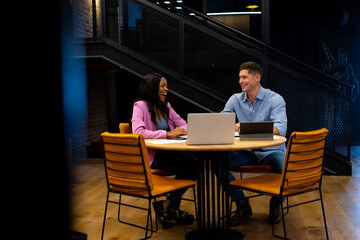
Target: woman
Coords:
[[153, 117]]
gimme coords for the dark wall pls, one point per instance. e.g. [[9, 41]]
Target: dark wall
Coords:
[[122, 89], [300, 29], [303, 29], [183, 107]]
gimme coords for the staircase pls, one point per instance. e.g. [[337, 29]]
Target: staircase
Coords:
[[201, 58]]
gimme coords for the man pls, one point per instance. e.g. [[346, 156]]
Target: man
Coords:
[[256, 103]]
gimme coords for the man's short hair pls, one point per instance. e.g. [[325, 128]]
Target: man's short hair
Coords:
[[252, 67]]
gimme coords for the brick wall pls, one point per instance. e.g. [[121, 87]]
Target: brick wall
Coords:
[[96, 122], [97, 105]]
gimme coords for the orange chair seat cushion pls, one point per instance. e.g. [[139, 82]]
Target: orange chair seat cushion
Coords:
[[160, 172], [255, 168], [162, 186], [269, 183]]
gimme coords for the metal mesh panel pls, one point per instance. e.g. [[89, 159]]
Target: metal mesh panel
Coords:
[[310, 106], [143, 29], [213, 62]]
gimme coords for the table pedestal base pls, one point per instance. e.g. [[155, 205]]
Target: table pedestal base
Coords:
[[194, 235], [213, 203]]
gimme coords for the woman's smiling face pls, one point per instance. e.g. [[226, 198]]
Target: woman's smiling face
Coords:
[[163, 90]]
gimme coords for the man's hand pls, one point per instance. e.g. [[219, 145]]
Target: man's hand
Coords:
[[237, 127], [275, 131]]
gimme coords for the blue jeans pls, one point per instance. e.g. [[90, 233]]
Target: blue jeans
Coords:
[[180, 164], [275, 160]]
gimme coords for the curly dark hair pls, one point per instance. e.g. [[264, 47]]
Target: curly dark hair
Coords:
[[148, 92]]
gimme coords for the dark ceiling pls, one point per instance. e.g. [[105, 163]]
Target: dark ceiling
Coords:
[[324, 12], [222, 5]]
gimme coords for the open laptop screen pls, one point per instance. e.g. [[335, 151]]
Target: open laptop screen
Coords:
[[256, 131], [210, 128]]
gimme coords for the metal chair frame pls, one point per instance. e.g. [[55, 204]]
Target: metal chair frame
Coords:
[[150, 198], [282, 188]]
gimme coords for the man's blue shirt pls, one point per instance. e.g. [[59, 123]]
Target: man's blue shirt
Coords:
[[268, 106]]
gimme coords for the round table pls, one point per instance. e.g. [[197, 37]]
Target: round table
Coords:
[[178, 145], [213, 205]]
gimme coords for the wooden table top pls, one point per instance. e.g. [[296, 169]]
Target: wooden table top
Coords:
[[178, 145]]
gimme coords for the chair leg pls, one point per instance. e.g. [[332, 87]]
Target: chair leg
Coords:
[[194, 194], [106, 205], [287, 205], [322, 207], [284, 227], [149, 218], [156, 221], [283, 219], [119, 207]]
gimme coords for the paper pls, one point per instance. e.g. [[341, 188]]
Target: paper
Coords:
[[278, 137], [166, 141]]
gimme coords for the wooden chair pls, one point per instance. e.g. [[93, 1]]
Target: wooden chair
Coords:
[[128, 173], [125, 128], [302, 172]]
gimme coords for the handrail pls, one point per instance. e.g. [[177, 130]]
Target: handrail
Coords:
[[233, 33], [178, 77]]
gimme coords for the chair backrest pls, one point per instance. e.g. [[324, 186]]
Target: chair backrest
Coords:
[[125, 128], [304, 160], [126, 162]]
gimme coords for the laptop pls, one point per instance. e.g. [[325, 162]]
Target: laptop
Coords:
[[256, 131], [210, 128]]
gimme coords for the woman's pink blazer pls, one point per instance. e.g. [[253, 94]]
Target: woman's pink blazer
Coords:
[[142, 124]]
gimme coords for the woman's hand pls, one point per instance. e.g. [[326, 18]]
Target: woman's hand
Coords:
[[175, 133]]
